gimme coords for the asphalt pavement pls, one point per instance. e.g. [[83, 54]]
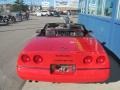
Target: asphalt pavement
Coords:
[[13, 39]]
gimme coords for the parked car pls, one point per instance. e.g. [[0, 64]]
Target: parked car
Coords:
[[17, 16], [54, 13], [25, 16], [43, 13], [62, 54], [4, 20], [11, 19]]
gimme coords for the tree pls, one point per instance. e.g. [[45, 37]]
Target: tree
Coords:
[[19, 6]]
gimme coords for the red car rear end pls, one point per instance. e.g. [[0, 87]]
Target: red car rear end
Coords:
[[63, 59]]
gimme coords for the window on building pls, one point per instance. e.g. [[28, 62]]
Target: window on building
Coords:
[[82, 6], [92, 7], [108, 8], [100, 6], [93, 1], [118, 14]]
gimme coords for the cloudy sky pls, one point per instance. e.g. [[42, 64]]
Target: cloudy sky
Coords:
[[6, 1], [11, 1], [37, 2]]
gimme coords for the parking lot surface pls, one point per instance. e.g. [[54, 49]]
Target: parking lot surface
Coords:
[[12, 39]]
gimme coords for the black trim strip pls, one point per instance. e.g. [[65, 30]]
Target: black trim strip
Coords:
[[92, 68]]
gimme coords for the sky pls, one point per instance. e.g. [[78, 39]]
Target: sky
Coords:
[[26, 1], [35, 2], [6, 1]]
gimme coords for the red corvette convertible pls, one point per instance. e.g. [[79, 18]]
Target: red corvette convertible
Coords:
[[62, 54]]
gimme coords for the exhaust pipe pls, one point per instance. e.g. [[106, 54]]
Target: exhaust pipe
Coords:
[[36, 81], [30, 80]]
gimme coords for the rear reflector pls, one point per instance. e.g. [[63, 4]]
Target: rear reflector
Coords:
[[100, 59], [37, 59], [87, 60], [25, 58]]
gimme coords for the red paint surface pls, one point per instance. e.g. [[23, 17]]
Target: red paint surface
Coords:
[[64, 50]]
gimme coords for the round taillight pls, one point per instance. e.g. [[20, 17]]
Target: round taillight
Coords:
[[25, 58], [100, 59], [87, 60], [37, 59]]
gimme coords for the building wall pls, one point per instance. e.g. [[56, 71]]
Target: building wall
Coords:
[[5, 8], [105, 27]]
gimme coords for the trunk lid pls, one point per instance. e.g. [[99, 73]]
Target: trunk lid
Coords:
[[63, 50], [66, 44]]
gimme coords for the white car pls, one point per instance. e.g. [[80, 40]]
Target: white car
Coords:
[[43, 13], [34, 13]]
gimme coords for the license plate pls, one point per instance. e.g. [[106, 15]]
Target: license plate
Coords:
[[62, 69]]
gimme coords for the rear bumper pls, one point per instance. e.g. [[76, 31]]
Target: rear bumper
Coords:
[[80, 76]]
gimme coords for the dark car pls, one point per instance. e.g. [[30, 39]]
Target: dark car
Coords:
[[4, 20], [56, 14], [17, 16]]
